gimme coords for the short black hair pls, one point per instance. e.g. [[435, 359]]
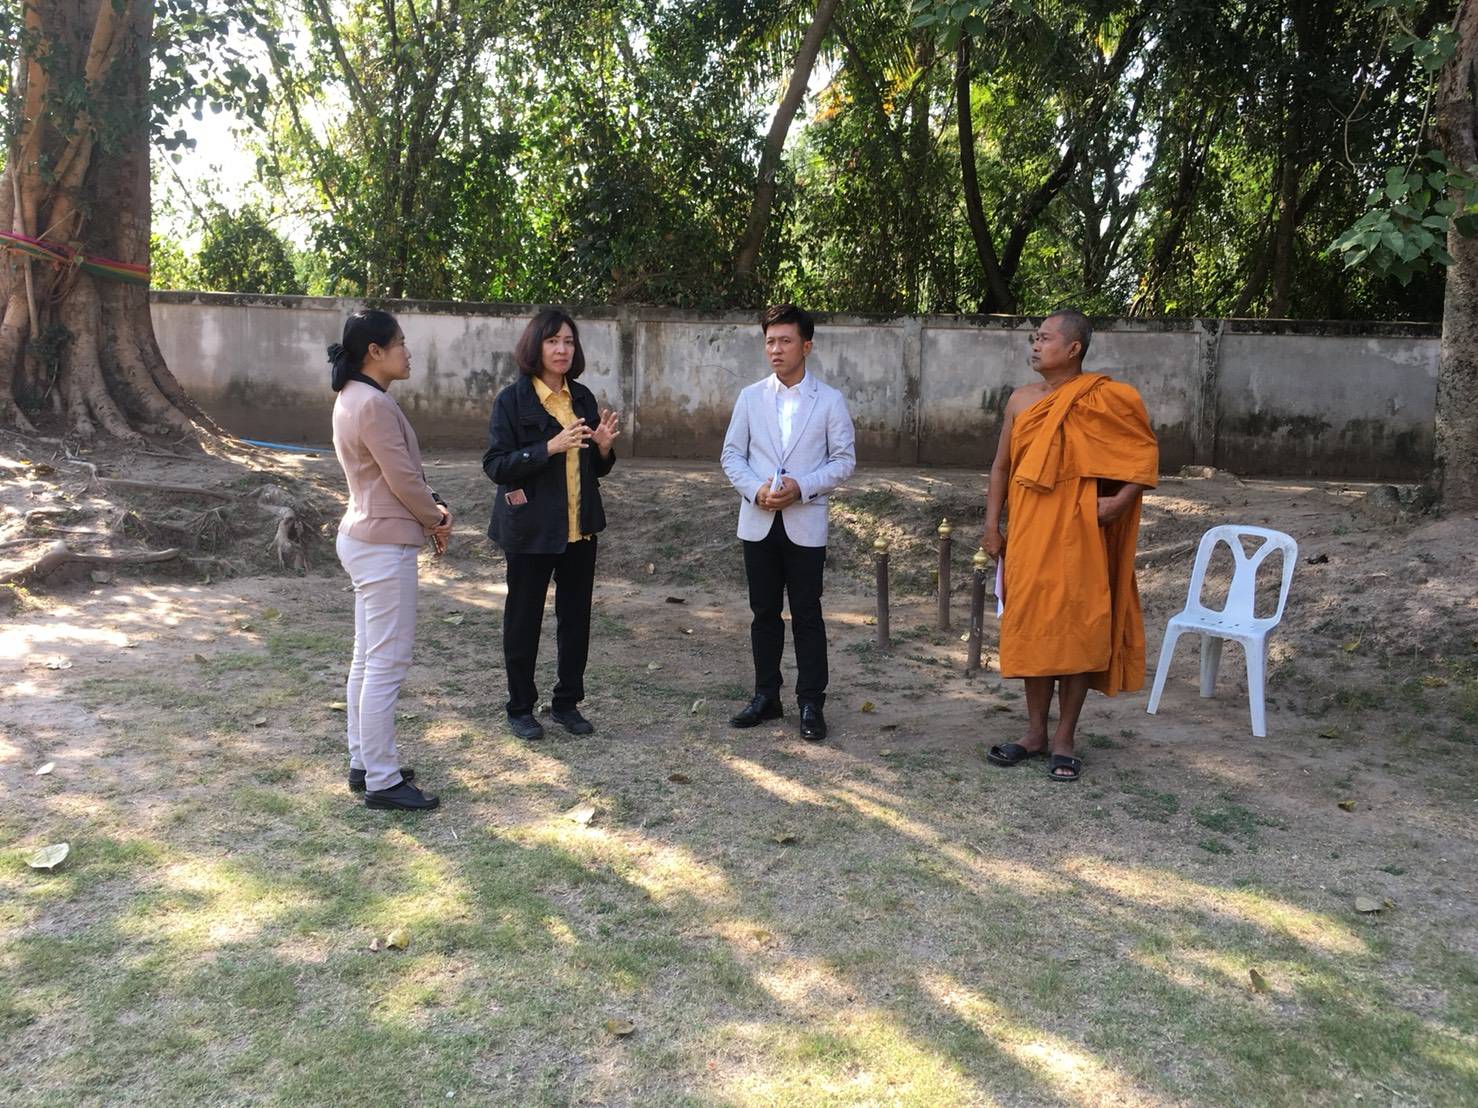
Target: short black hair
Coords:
[[1076, 326], [363, 328], [788, 313], [528, 354]]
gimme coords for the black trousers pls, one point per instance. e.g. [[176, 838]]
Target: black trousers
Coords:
[[528, 583], [777, 568]]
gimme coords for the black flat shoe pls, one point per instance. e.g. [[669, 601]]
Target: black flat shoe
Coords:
[[405, 797], [525, 726], [813, 723], [1062, 767], [1010, 754], [757, 711], [572, 721], [356, 778]]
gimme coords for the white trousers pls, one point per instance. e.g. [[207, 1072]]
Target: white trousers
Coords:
[[384, 576]]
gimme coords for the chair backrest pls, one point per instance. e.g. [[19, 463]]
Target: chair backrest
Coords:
[[1242, 596]]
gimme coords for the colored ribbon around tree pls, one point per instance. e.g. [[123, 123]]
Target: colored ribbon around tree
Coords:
[[58, 254]]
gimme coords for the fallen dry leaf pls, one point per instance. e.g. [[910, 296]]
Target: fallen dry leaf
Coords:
[[260, 721], [271, 613], [869, 706], [581, 814], [679, 778], [338, 706], [375, 945], [49, 857], [1352, 646], [784, 838], [456, 620], [1432, 681], [100, 577], [201, 658], [693, 711], [761, 936], [620, 1028], [398, 939], [44, 770], [653, 666], [1347, 805], [1329, 733], [651, 568], [885, 753], [1367, 905]]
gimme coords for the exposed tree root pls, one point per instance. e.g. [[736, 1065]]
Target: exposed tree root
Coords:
[[154, 486], [58, 555]]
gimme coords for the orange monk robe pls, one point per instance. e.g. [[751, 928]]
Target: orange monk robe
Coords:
[[1071, 602]]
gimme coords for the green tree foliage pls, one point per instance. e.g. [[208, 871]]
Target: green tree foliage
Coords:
[[1174, 157], [240, 252]]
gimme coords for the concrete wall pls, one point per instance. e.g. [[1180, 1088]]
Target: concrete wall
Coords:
[[1353, 400]]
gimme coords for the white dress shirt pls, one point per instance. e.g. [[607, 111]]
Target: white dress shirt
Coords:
[[787, 403]]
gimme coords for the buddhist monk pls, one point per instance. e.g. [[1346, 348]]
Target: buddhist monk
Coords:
[[1075, 454]]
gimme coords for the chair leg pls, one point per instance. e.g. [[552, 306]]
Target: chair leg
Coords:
[[1210, 663], [1167, 650], [1257, 652]]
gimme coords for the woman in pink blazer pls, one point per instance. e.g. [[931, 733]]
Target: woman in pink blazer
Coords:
[[391, 513]]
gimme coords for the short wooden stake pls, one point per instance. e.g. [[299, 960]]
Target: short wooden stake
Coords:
[[880, 551], [945, 542], [981, 562]]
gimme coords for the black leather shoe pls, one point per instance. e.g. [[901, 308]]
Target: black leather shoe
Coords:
[[356, 778], [525, 726], [572, 721], [813, 723], [757, 711], [405, 797]]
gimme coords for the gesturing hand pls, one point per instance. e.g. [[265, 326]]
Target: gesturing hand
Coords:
[[571, 438], [606, 431]]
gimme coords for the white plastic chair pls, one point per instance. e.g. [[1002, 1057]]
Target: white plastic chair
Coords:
[[1236, 621]]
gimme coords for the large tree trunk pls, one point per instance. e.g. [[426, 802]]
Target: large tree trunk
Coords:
[[88, 344], [1457, 371], [764, 189], [998, 296]]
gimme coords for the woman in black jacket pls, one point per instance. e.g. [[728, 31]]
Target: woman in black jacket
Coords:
[[548, 448]]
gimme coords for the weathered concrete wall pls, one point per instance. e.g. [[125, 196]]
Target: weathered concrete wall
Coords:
[[970, 370], [1333, 399], [1328, 405]]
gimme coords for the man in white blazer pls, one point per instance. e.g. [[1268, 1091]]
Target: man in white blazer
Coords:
[[790, 442]]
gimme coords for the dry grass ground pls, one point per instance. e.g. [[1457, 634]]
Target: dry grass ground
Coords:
[[884, 919]]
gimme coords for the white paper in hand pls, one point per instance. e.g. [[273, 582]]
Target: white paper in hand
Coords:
[[1000, 584]]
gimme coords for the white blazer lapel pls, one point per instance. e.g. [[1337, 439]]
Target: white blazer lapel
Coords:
[[802, 415], [771, 418]]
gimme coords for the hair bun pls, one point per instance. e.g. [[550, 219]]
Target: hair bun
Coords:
[[335, 351]]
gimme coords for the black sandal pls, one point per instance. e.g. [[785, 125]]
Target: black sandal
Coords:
[[1074, 767], [1010, 754]]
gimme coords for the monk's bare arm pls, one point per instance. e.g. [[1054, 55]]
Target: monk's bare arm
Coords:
[[1111, 508], [993, 542]]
